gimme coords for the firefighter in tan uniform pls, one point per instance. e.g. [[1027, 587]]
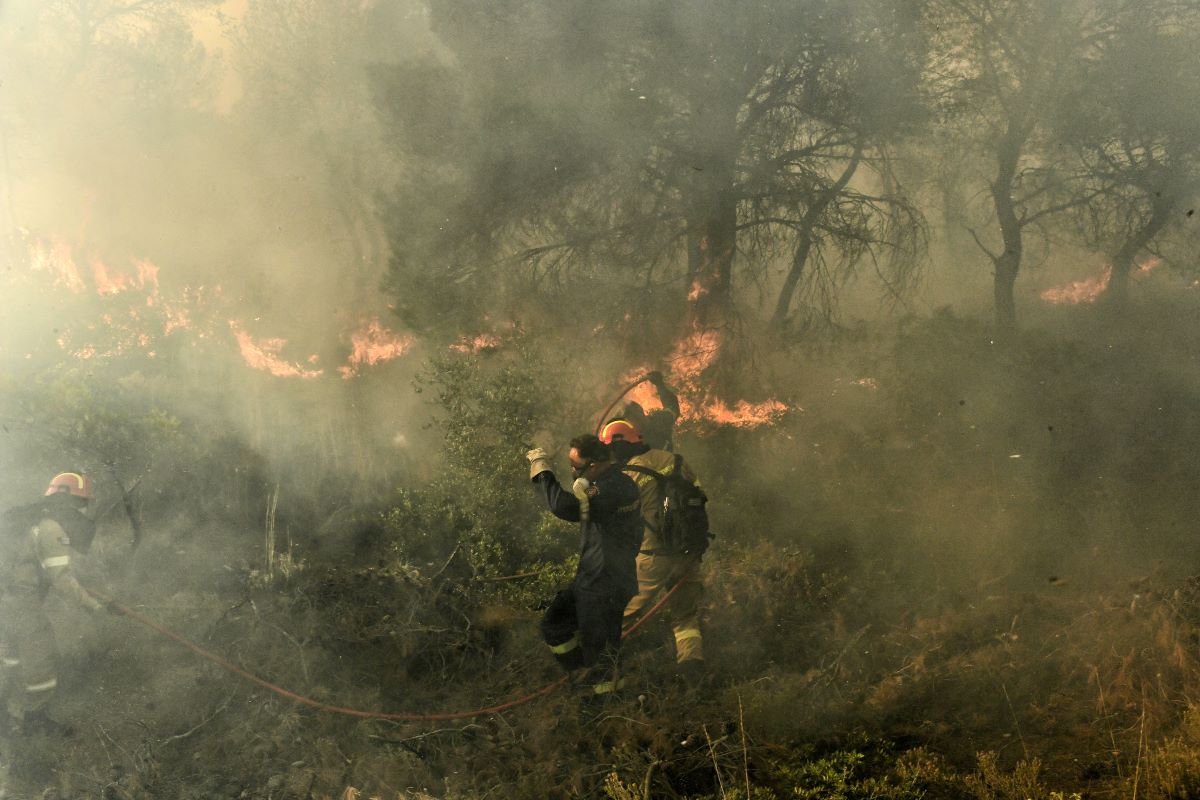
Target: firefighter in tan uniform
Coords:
[[659, 567], [39, 540]]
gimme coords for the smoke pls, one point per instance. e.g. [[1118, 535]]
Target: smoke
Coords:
[[232, 147]]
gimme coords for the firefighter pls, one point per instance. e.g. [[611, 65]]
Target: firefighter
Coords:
[[582, 626], [656, 427], [659, 567], [35, 556]]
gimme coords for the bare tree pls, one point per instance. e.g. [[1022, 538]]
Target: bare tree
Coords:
[[1004, 70], [1137, 122], [702, 146]]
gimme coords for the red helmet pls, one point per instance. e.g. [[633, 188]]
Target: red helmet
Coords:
[[620, 430], [75, 483]]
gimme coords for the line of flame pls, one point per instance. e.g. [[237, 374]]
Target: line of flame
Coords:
[[264, 355]]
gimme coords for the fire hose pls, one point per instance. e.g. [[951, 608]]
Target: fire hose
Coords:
[[230, 667], [619, 397], [234, 669]]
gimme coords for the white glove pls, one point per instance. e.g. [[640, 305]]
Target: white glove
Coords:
[[580, 489], [539, 462]]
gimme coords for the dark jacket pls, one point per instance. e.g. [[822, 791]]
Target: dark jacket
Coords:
[[609, 540]]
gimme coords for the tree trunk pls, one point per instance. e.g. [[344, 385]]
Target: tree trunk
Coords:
[[1008, 262], [713, 234], [804, 240], [1117, 293]]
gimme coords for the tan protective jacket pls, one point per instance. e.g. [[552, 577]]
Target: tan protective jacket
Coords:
[[49, 560], [650, 490]]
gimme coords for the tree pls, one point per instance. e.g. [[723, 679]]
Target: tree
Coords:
[[675, 147], [1003, 70], [1137, 122]]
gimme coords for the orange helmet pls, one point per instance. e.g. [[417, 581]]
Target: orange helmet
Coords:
[[75, 483], [620, 430]]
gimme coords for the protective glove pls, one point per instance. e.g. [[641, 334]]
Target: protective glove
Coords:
[[580, 488], [539, 462]]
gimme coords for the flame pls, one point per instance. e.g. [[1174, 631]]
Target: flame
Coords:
[[264, 355], [1084, 291], [1089, 290], [373, 344], [743, 414], [147, 272], [644, 394], [57, 259], [692, 355], [109, 283], [1148, 266], [697, 291], [484, 341]]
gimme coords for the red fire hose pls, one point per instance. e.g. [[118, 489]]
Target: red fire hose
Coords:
[[613, 404], [229, 666]]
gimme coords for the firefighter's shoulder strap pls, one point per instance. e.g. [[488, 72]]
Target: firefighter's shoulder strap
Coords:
[[654, 525]]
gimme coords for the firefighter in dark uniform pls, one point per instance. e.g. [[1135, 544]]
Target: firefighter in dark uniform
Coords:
[[659, 567], [583, 624], [35, 557]]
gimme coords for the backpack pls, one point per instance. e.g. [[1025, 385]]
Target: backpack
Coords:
[[681, 521]]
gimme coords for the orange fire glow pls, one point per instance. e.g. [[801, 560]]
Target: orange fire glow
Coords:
[[57, 259], [109, 282], [373, 344], [644, 394], [742, 414], [147, 272], [475, 344], [1089, 290], [692, 355], [1148, 266], [264, 355], [1084, 291]]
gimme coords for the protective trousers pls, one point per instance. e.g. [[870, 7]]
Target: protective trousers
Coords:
[[583, 629], [658, 572], [30, 659]]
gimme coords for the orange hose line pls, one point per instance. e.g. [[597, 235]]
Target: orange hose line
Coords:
[[353, 712], [613, 404]]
